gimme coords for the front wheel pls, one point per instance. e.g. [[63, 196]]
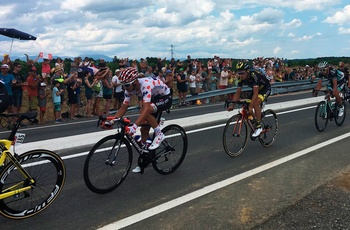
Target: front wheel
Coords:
[[339, 120], [269, 123], [107, 164], [321, 116], [172, 151], [49, 174], [235, 135]]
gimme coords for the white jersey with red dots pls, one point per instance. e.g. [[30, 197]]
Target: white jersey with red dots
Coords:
[[150, 87]]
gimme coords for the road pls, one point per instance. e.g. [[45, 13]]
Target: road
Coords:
[[210, 190]]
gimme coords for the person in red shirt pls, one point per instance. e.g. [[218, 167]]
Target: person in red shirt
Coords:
[[45, 70], [33, 82]]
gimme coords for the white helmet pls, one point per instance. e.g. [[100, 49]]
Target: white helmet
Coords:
[[323, 64]]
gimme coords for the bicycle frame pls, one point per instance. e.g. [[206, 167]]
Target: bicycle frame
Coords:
[[28, 180]]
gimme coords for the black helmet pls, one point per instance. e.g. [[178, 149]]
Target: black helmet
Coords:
[[242, 66]]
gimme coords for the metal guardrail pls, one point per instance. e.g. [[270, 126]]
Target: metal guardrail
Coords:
[[276, 88]]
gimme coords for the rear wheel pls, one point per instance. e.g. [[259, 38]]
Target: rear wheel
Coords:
[[172, 151], [269, 124], [321, 116], [107, 164], [235, 135]]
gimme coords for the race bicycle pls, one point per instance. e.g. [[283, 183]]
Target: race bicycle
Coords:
[[235, 135], [31, 181], [328, 110], [109, 161]]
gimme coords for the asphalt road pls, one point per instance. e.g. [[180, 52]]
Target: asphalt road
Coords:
[[210, 190]]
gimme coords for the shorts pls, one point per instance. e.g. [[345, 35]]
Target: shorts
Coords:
[[57, 107], [17, 98], [182, 88], [119, 96], [107, 96], [32, 103], [161, 103], [222, 86], [88, 94], [264, 93], [42, 109]]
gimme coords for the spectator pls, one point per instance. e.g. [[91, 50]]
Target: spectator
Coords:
[[143, 65], [31, 62], [107, 91], [72, 86], [7, 60], [118, 92], [98, 88], [182, 86], [169, 80], [192, 83], [58, 77], [17, 90], [149, 72], [224, 78], [8, 79], [45, 70], [213, 80], [205, 79], [33, 82], [59, 63], [134, 64], [42, 101], [89, 84], [56, 99]]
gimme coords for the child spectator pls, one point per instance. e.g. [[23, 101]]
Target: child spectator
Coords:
[[42, 101], [56, 99]]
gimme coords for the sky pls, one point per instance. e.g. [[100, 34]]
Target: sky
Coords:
[[177, 28]]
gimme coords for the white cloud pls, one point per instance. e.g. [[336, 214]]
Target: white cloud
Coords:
[[343, 30], [276, 50], [340, 17], [293, 24], [306, 38]]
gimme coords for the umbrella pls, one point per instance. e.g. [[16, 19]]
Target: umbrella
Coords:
[[13, 33]]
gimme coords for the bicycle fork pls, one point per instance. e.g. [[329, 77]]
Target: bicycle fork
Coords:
[[113, 154]]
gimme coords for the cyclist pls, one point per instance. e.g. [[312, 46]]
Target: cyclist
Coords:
[[156, 97], [335, 85], [261, 89]]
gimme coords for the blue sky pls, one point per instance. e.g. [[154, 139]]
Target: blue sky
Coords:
[[201, 28]]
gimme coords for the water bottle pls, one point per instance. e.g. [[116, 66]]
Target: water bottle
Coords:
[[148, 142], [162, 119], [138, 139]]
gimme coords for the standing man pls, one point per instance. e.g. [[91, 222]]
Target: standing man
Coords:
[[8, 80], [17, 90]]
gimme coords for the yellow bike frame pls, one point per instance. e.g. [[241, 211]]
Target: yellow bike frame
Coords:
[[5, 146]]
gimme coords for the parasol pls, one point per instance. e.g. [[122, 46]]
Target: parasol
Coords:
[[13, 33]]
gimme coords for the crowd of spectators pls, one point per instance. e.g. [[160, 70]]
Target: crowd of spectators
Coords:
[[102, 92]]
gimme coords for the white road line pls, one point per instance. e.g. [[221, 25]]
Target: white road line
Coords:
[[211, 188]]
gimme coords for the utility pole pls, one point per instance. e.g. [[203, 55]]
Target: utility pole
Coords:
[[172, 51]]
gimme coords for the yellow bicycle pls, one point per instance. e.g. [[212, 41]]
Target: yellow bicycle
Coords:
[[31, 181]]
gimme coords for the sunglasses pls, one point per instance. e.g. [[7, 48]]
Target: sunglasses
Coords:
[[128, 84], [241, 73]]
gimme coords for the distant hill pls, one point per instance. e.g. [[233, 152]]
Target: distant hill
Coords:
[[93, 56]]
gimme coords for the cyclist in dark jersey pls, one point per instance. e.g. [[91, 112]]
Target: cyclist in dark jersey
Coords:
[[336, 83], [261, 89]]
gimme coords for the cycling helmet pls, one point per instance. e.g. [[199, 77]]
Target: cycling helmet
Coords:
[[322, 65], [128, 75], [242, 66]]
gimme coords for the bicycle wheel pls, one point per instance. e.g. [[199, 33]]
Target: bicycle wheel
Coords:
[[269, 123], [107, 164], [235, 135], [171, 153], [49, 173], [321, 116], [339, 120]]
